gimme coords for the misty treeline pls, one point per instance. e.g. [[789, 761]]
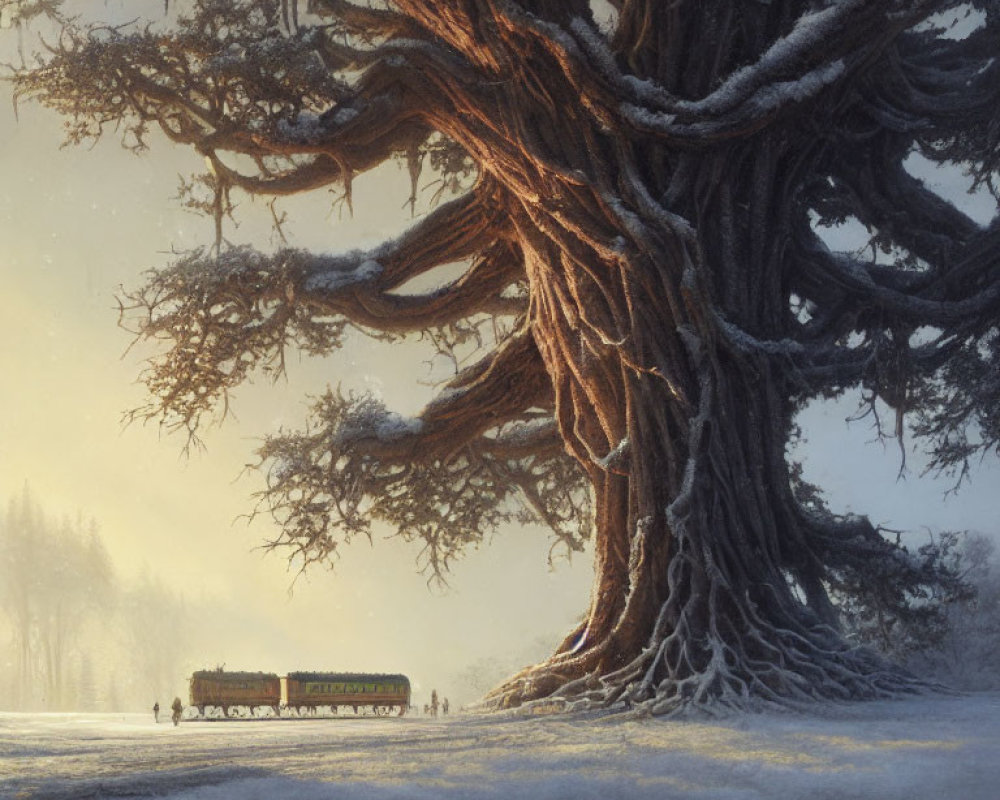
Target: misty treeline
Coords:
[[477, 677], [75, 635], [950, 634]]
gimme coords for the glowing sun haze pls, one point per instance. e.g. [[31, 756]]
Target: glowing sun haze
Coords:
[[77, 224]]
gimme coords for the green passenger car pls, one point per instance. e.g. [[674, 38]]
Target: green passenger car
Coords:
[[359, 691]]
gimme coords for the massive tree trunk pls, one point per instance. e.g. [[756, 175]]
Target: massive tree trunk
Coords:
[[708, 576], [706, 587]]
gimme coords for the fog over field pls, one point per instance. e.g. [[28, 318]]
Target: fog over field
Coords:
[[919, 749]]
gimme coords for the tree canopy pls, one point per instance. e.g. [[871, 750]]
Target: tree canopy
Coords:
[[643, 193]]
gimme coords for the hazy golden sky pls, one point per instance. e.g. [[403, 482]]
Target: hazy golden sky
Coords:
[[74, 225]]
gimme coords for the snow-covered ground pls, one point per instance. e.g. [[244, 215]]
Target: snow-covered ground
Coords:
[[945, 748]]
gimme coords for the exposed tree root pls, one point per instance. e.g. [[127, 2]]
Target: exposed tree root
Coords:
[[807, 672]]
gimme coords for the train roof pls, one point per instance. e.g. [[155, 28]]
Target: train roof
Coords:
[[221, 675], [352, 677]]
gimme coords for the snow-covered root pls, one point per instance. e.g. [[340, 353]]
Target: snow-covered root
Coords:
[[738, 662], [719, 688]]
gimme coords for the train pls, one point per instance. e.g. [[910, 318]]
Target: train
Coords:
[[299, 693]]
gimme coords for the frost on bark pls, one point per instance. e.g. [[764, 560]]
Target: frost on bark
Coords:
[[643, 269]]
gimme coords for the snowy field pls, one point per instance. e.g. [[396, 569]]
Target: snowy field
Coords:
[[945, 748]]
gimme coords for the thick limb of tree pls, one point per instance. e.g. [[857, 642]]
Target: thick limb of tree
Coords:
[[227, 315]]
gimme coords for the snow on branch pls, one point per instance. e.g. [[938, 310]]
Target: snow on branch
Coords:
[[223, 316], [748, 113], [232, 80], [368, 418], [359, 463], [783, 57], [192, 83], [330, 278], [782, 75]]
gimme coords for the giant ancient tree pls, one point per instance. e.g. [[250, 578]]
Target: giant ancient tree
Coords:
[[642, 266]]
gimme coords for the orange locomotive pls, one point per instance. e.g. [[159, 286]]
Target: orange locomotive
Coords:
[[213, 688]]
